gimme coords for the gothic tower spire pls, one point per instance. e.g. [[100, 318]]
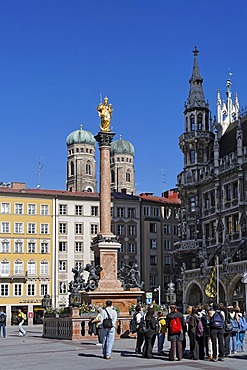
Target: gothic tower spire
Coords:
[[196, 95]]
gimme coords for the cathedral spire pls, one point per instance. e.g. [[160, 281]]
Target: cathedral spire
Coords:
[[196, 95]]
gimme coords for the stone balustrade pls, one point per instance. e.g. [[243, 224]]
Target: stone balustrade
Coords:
[[73, 328]]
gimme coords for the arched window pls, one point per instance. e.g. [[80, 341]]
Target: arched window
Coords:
[[18, 267], [128, 176], [199, 121], [44, 267], [192, 203], [31, 267], [4, 268], [72, 168], [192, 156], [192, 122], [88, 169]]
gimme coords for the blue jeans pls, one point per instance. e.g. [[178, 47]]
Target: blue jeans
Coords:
[[108, 336], [161, 339], [21, 330], [3, 325], [233, 342], [240, 346]]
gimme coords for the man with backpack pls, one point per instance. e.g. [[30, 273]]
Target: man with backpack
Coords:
[[108, 317], [217, 324], [176, 328], [3, 322], [21, 317]]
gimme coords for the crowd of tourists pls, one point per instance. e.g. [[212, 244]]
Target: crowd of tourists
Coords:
[[214, 332]]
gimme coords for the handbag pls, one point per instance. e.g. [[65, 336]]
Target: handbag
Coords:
[[107, 323]]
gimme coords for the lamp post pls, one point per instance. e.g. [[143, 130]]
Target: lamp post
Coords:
[[158, 289]]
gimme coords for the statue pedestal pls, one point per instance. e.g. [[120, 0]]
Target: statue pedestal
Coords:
[[123, 300], [106, 252]]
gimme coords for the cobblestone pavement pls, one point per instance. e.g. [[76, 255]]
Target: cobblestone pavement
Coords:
[[35, 352]]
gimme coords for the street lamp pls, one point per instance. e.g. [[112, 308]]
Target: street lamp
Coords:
[[158, 289]]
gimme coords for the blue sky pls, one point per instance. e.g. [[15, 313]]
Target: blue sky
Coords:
[[57, 56]]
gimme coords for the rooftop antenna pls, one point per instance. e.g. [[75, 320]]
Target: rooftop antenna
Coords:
[[163, 172], [40, 168]]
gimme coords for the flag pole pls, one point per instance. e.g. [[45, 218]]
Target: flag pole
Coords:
[[217, 280]]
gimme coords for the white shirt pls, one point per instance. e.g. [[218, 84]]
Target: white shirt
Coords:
[[112, 314]]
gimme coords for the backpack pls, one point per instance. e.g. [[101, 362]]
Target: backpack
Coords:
[[107, 323], [199, 329], [162, 325], [235, 327], [242, 323], [142, 326], [133, 324], [217, 320], [228, 326], [2, 318], [24, 317], [175, 325]]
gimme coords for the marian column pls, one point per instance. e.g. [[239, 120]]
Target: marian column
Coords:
[[106, 245]]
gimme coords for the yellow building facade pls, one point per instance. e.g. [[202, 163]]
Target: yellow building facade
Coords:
[[26, 247]]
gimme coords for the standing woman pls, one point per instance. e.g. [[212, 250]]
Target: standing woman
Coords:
[[150, 333]]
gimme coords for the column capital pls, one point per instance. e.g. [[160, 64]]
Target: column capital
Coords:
[[104, 138]]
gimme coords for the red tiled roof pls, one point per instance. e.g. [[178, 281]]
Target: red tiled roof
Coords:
[[49, 192], [153, 198]]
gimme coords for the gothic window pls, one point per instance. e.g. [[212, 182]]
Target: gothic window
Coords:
[[207, 231], [72, 168], [235, 221], [127, 176], [199, 121], [200, 155], [192, 122], [88, 169], [213, 228], [229, 224], [192, 156], [235, 190], [186, 125], [228, 192], [192, 232], [192, 203], [212, 195], [112, 176], [206, 123]]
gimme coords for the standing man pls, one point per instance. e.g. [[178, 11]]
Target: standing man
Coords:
[[108, 318], [3, 322], [21, 317], [138, 316], [176, 328]]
